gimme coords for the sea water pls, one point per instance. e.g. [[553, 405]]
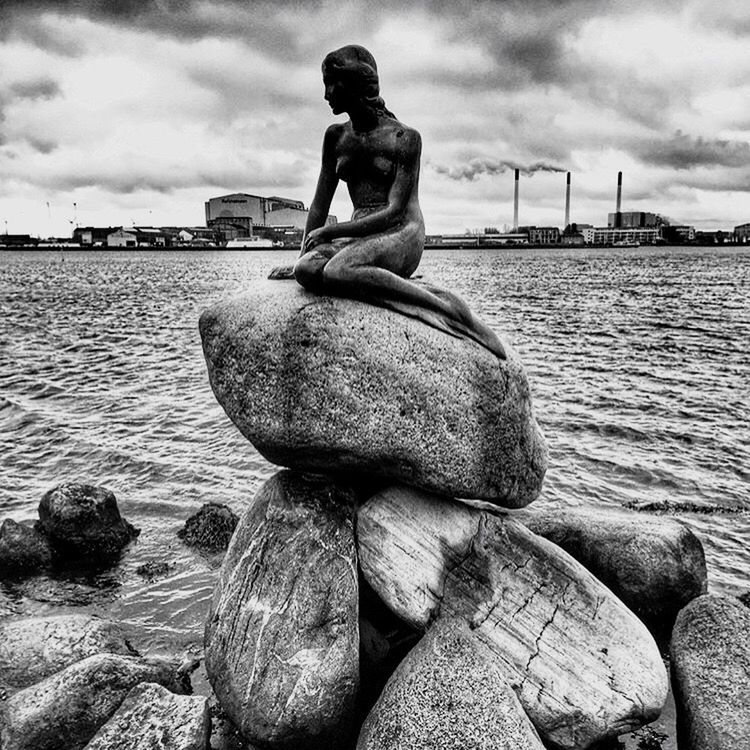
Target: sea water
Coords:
[[639, 363]]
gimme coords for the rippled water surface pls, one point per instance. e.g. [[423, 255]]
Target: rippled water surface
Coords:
[[639, 362]]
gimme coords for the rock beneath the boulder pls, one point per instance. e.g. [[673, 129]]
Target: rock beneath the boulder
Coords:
[[211, 528], [83, 519], [583, 665], [68, 708], [711, 674], [448, 693], [33, 648], [282, 637], [153, 717], [333, 385], [654, 565], [23, 549]]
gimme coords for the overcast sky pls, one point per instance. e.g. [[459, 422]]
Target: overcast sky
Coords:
[[140, 110]]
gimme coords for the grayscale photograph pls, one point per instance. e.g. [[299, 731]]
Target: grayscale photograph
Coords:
[[374, 375]]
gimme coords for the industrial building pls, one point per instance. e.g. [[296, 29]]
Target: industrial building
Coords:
[[635, 220], [742, 234], [237, 215]]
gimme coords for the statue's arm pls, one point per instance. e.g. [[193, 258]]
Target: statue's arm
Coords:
[[404, 183], [327, 183]]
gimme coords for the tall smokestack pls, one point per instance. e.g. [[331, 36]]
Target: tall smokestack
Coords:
[[515, 204], [567, 201], [618, 215]]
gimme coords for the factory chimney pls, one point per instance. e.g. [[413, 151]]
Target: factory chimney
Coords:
[[618, 214], [515, 204], [567, 202]]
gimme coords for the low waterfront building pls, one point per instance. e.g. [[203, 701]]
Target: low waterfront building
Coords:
[[137, 237], [122, 238], [543, 235], [615, 236], [17, 240], [92, 236], [742, 234]]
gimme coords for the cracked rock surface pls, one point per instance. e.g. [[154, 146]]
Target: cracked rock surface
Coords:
[[153, 718], [325, 384], [584, 667], [710, 652], [32, 648], [448, 693], [282, 637]]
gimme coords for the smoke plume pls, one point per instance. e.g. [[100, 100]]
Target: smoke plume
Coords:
[[475, 167]]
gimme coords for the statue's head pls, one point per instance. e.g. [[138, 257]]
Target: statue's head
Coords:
[[350, 75]]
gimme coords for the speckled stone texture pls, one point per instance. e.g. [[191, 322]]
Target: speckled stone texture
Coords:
[[449, 694], [711, 674], [83, 519], [583, 665], [68, 708], [323, 384], [32, 648], [152, 718], [23, 549], [655, 565], [282, 638]]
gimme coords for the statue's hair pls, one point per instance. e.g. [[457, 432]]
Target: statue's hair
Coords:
[[358, 69]]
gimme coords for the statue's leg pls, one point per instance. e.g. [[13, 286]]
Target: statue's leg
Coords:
[[308, 270], [354, 272]]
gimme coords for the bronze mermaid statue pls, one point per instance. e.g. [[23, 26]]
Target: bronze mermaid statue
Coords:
[[371, 256]]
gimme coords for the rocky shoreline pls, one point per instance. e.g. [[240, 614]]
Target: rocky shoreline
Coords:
[[363, 602]]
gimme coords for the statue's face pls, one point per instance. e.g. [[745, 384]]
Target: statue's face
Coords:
[[337, 94]]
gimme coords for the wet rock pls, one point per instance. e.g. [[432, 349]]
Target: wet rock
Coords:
[[68, 708], [324, 384], [711, 667], [211, 528], [282, 637], [153, 717], [23, 549], [584, 667], [448, 693], [654, 565], [83, 519], [154, 569], [33, 648]]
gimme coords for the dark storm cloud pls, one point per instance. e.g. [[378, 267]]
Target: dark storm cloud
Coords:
[[683, 151], [42, 145], [43, 88], [474, 167]]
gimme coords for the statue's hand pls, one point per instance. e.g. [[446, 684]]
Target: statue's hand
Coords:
[[313, 239], [282, 272]]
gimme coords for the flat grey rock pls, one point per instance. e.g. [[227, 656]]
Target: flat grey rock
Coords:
[[448, 693], [325, 384], [711, 674], [654, 565], [282, 637], [153, 718], [583, 665], [68, 708], [32, 648]]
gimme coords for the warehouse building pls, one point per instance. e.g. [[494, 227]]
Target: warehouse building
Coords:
[[236, 215]]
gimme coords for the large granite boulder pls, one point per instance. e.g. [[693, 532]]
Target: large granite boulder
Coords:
[[68, 708], [583, 665], [654, 565], [83, 519], [153, 718], [23, 549], [711, 674], [32, 648], [282, 638], [323, 384], [448, 693]]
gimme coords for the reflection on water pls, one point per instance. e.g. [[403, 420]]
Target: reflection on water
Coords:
[[639, 362]]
